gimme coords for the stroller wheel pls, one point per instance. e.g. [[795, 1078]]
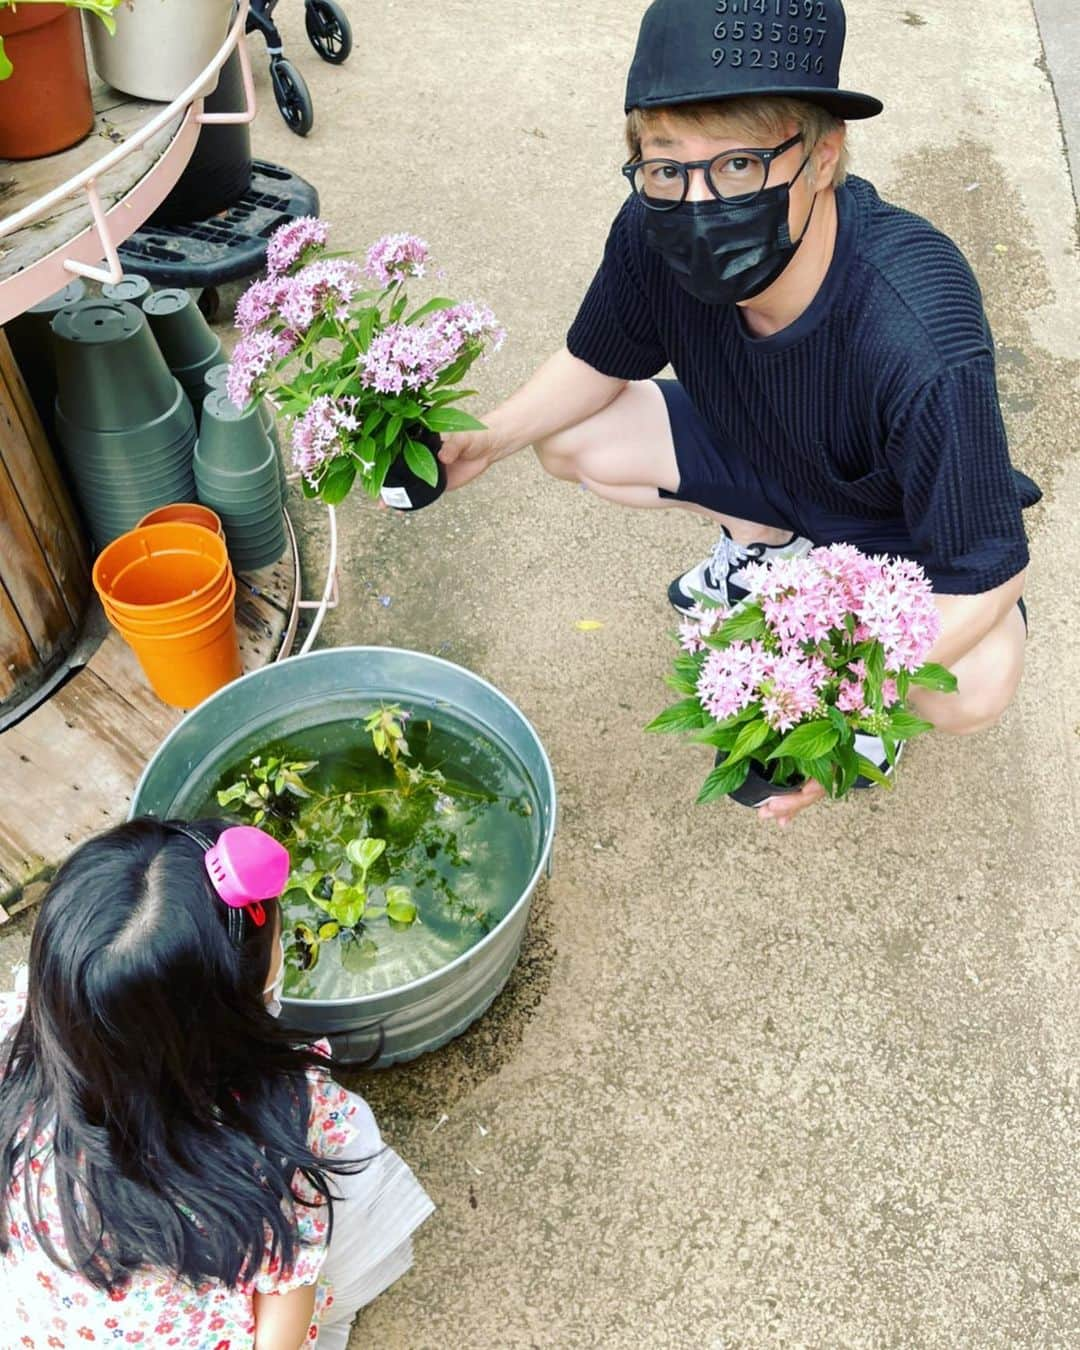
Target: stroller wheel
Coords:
[[329, 30], [293, 99]]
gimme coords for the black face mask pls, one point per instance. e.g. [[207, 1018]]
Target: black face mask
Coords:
[[722, 252]]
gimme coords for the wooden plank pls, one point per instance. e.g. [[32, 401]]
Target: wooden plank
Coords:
[[16, 650], [14, 394], [116, 119], [23, 569]]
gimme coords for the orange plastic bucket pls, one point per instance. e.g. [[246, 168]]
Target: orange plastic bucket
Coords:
[[185, 668], [193, 513], [153, 626], [171, 569]]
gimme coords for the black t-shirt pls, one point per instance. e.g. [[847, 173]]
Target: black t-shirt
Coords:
[[879, 401]]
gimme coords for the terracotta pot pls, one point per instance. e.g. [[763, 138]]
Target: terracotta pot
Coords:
[[160, 571], [191, 512], [45, 104]]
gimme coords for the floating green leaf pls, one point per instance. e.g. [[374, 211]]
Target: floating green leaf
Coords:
[[399, 904], [363, 853]]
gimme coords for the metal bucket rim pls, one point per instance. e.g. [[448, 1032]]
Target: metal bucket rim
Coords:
[[547, 840]]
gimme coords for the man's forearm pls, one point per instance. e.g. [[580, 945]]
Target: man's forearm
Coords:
[[966, 619], [563, 392]]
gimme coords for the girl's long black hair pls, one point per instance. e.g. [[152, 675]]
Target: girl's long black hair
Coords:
[[177, 1106]]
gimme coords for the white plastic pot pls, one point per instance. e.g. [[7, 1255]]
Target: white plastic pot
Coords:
[[159, 46]]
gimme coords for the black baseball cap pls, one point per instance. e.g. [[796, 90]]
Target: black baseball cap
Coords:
[[693, 51]]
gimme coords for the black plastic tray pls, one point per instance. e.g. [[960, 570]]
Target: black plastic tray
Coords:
[[226, 246]]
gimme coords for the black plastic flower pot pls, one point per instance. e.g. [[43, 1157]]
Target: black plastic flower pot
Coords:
[[404, 490], [757, 788]]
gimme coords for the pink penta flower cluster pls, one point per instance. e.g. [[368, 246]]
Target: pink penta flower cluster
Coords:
[[469, 322], [406, 356], [827, 601], [290, 242], [322, 432], [253, 356], [804, 599], [395, 256], [788, 686], [322, 287]]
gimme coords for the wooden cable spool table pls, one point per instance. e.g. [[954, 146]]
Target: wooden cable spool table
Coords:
[[77, 719]]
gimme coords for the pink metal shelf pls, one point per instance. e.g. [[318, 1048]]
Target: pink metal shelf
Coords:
[[34, 262]]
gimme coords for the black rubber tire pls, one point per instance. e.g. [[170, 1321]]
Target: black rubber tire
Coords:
[[328, 30], [292, 96]]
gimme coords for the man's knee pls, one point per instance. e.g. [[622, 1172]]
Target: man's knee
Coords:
[[978, 705], [558, 454]]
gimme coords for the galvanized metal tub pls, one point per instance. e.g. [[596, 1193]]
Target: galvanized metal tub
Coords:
[[321, 687]]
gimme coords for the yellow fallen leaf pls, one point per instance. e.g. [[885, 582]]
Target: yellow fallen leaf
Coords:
[[588, 625]]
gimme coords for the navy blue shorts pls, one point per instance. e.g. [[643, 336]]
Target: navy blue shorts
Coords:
[[722, 479]]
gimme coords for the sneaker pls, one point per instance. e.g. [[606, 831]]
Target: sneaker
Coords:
[[720, 576], [873, 749]]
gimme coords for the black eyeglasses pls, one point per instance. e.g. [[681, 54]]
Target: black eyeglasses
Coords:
[[732, 176]]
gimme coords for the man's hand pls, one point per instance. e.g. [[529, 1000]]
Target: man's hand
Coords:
[[466, 454], [784, 809]]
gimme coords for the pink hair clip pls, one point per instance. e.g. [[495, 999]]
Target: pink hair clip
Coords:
[[247, 866]]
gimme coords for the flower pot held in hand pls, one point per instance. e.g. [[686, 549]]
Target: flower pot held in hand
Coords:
[[757, 789], [45, 103], [406, 491], [187, 342]]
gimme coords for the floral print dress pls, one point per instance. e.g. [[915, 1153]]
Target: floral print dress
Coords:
[[43, 1307]]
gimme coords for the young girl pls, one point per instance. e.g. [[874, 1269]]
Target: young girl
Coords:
[[175, 1170]]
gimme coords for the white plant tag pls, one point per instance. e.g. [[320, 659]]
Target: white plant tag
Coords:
[[396, 497]]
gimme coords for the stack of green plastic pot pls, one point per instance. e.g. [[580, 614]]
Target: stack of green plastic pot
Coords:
[[124, 424], [216, 377], [32, 346], [188, 344], [236, 474]]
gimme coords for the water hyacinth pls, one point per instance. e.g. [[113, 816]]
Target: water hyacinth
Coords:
[[824, 645], [363, 380]]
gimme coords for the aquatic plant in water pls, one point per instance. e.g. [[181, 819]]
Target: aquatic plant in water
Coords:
[[361, 850]]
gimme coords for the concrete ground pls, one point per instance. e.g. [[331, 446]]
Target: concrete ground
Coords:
[[747, 1088]]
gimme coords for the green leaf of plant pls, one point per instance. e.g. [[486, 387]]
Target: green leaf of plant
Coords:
[[451, 419], [347, 904], [334, 486], [747, 623], [904, 725], [811, 740], [751, 736], [5, 63], [399, 904], [393, 431], [686, 715], [840, 722], [724, 778], [363, 853], [933, 676], [848, 764], [235, 792], [821, 770], [440, 302], [421, 461], [870, 770], [329, 930]]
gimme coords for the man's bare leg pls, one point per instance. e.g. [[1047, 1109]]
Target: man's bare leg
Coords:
[[625, 454]]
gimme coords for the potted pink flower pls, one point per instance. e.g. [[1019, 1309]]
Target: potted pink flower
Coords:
[[367, 382], [824, 651]]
